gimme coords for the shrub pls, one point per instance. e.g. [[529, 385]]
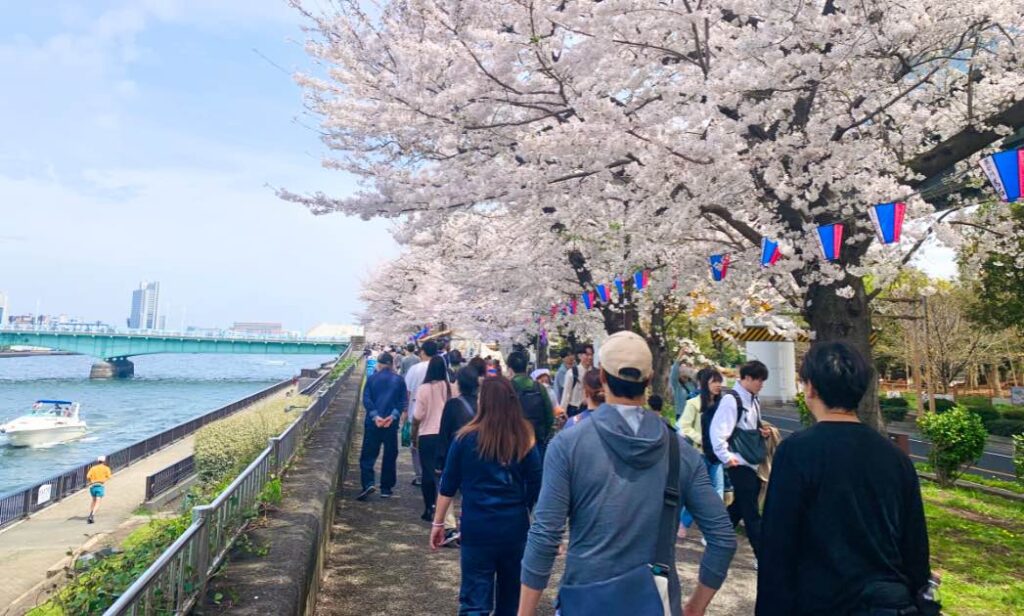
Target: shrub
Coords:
[[895, 402], [1018, 456], [224, 448], [806, 417], [894, 413], [941, 405], [1005, 427], [987, 413], [958, 440], [1012, 413]]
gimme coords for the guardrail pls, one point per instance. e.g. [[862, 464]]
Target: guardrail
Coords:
[[170, 476], [176, 580], [23, 503]]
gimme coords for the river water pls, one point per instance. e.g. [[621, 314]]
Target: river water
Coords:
[[165, 391]]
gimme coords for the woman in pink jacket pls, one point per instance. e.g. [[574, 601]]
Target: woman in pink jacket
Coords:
[[430, 400]]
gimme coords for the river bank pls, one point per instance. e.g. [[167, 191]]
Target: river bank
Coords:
[[167, 390]]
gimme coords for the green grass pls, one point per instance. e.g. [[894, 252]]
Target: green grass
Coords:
[[1009, 486], [977, 546]]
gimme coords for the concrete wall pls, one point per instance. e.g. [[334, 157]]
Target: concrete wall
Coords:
[[780, 357]]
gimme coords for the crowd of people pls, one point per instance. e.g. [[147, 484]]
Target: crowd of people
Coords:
[[509, 457]]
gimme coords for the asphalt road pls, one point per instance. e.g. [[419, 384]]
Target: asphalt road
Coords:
[[992, 465]]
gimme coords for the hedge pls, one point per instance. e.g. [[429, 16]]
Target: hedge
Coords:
[[1012, 413], [224, 448], [1005, 427], [941, 405], [958, 441], [894, 413], [895, 402]]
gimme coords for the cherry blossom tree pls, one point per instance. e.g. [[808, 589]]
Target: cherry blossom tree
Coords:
[[698, 126]]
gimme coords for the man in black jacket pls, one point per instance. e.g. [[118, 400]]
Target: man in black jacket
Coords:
[[843, 530]]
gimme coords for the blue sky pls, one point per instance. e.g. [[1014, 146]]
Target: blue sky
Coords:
[[140, 139]]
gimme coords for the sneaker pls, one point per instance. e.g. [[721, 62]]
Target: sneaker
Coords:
[[426, 517], [451, 538], [417, 482], [366, 493], [388, 494], [90, 520]]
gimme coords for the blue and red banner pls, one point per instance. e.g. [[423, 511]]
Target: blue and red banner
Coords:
[[770, 252], [1005, 171], [719, 266], [619, 287], [588, 300], [602, 292], [573, 306], [640, 279], [830, 237], [888, 219]]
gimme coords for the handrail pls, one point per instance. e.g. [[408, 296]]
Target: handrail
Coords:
[[162, 588]]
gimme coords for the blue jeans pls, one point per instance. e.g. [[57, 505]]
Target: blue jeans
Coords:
[[717, 475], [373, 439], [485, 567]]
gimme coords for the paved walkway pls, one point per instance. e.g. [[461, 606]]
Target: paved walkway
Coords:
[[380, 565], [30, 549]]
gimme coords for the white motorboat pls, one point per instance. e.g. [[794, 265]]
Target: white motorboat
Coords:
[[50, 422]]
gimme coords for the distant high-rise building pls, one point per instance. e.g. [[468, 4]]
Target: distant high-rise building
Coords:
[[3, 309], [145, 306]]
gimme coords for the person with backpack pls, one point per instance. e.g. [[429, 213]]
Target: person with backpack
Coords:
[[533, 399], [844, 529], [737, 439], [619, 478], [694, 425]]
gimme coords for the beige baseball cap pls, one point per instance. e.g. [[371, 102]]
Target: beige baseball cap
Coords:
[[626, 355]]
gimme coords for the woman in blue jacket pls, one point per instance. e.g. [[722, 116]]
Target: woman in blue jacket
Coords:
[[496, 465]]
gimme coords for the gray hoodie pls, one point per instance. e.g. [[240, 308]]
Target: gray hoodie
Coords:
[[613, 504]]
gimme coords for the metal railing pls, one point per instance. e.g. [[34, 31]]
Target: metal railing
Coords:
[[23, 503], [176, 580], [170, 476]]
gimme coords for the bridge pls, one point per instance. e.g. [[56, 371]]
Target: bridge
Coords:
[[114, 347]]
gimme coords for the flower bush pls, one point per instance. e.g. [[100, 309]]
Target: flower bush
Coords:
[[958, 440]]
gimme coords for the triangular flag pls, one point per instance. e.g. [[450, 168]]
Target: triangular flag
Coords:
[[770, 252], [888, 219], [719, 266], [1005, 171], [830, 237]]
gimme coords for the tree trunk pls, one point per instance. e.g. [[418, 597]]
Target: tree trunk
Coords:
[[833, 318], [997, 387], [659, 350]]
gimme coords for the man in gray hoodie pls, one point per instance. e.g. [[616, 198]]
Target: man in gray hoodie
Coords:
[[613, 501]]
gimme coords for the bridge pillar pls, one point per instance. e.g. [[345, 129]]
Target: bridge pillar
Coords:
[[118, 368]]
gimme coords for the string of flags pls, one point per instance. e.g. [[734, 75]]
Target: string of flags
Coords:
[[1005, 171]]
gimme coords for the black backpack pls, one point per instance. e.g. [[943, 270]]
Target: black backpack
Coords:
[[535, 410], [705, 431]]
